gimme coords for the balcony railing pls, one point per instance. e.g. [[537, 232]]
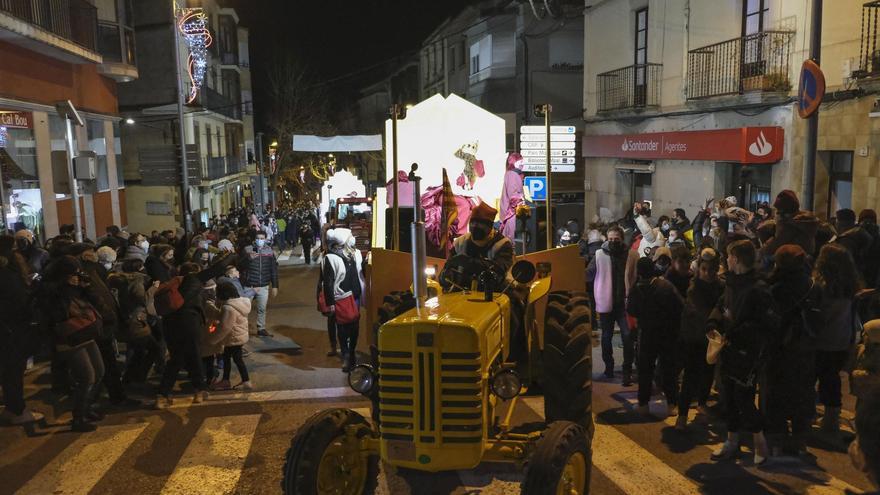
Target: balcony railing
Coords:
[[116, 43], [636, 86], [228, 58], [221, 166], [757, 62], [75, 20], [216, 102], [869, 50]]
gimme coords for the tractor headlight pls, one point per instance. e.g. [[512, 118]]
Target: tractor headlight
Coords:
[[506, 384], [362, 379]]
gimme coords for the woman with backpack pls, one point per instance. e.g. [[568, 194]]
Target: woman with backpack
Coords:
[[180, 302], [130, 286], [341, 288], [75, 324]]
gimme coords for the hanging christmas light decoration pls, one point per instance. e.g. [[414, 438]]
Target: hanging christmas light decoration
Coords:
[[193, 25]]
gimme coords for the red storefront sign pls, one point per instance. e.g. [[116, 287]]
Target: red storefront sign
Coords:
[[19, 120], [740, 145]]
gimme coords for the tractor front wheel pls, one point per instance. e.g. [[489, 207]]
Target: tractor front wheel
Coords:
[[561, 462], [325, 458]]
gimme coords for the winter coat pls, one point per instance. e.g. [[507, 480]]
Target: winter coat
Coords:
[[651, 236], [336, 281], [14, 312], [188, 323], [657, 306], [681, 282], [56, 310], [242, 291], [259, 267], [135, 252], [793, 291], [838, 323], [611, 278], [702, 297], [36, 258], [130, 291], [158, 270], [744, 315], [99, 295], [233, 322], [858, 241], [799, 229], [211, 339]]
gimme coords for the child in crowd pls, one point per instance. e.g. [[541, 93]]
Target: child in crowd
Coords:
[[232, 331]]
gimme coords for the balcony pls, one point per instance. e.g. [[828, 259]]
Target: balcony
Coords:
[[219, 167], [215, 102], [117, 47], [228, 58], [630, 88], [869, 49], [65, 29], [758, 62]]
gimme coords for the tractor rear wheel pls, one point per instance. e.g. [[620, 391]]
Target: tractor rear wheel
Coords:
[[561, 462], [323, 458], [567, 358]]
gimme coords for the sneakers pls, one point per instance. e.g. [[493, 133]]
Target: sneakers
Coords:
[[262, 332], [627, 380], [26, 417], [200, 396], [245, 385], [221, 385], [761, 450], [729, 449], [162, 402]]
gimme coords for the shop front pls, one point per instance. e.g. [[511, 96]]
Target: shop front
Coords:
[[682, 169]]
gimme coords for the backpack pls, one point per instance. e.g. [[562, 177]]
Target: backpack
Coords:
[[810, 307], [168, 298]]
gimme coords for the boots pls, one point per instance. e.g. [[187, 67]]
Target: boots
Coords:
[[831, 420], [761, 450], [729, 449]]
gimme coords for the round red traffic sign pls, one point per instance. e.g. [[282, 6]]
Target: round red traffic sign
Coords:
[[811, 89]]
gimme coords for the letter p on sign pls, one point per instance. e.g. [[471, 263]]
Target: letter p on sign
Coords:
[[537, 187]]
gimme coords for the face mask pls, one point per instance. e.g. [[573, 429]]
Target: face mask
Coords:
[[479, 232], [203, 245], [107, 265], [672, 238], [145, 245], [615, 246], [661, 267], [665, 227], [260, 242], [350, 242]]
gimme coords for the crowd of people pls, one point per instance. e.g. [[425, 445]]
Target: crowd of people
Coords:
[[175, 300], [759, 304]]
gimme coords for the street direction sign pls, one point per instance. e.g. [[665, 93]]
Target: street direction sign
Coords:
[[811, 89], [559, 145], [554, 129], [543, 168], [543, 137], [537, 187], [554, 160], [553, 152]]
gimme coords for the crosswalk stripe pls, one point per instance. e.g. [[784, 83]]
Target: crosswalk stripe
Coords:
[[213, 461], [268, 396], [79, 467]]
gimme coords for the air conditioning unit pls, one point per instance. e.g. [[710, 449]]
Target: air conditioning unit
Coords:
[[85, 166]]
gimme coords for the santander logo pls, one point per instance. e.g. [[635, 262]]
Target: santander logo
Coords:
[[761, 147], [625, 146]]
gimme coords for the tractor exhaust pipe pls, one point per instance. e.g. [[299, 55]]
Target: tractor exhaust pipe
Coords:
[[420, 281]]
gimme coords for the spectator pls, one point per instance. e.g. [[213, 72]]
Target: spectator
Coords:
[[160, 263], [744, 315], [130, 287], [36, 257], [793, 226], [868, 221], [340, 281], [864, 451], [679, 273], [651, 236], [233, 330], [106, 257], [260, 274], [233, 277]]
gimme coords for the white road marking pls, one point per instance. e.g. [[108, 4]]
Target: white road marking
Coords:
[[268, 396], [213, 461], [79, 467]]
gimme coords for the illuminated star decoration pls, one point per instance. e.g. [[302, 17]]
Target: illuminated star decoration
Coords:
[[193, 25]]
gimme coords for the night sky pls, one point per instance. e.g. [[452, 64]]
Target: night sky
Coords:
[[337, 40]]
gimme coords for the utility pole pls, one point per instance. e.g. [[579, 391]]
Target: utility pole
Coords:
[[809, 177], [74, 187], [546, 109], [262, 208], [395, 208], [184, 167]]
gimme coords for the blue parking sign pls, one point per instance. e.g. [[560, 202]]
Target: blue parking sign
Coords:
[[537, 187]]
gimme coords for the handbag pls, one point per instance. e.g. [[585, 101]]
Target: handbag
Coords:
[[82, 324], [716, 343], [347, 310]]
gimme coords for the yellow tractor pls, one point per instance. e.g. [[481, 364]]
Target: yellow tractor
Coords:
[[442, 385]]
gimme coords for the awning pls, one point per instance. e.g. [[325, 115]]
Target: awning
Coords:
[[338, 144]]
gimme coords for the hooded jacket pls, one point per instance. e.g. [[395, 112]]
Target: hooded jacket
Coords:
[[651, 236], [233, 325], [611, 277], [702, 297], [799, 229]]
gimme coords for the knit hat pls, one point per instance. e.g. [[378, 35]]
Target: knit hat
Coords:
[[106, 254], [645, 268], [484, 212], [25, 234], [789, 257], [787, 202], [124, 235], [864, 215], [225, 245]]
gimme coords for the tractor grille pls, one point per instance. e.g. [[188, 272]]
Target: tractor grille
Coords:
[[430, 396]]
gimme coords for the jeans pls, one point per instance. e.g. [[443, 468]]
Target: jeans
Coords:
[[262, 300], [87, 368], [233, 353], [606, 324], [348, 337], [829, 364], [331, 330], [696, 382], [307, 253], [654, 345], [742, 414]]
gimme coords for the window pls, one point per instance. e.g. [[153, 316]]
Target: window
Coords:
[[840, 180], [481, 54], [462, 58], [451, 60], [641, 57], [117, 147], [97, 144], [208, 140], [22, 202], [756, 16]]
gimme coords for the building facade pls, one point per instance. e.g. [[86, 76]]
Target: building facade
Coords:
[[695, 99], [74, 50], [218, 124]]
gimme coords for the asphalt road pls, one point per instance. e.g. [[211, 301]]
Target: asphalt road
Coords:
[[235, 442]]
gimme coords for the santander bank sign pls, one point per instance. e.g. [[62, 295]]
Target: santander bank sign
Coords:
[[740, 145]]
